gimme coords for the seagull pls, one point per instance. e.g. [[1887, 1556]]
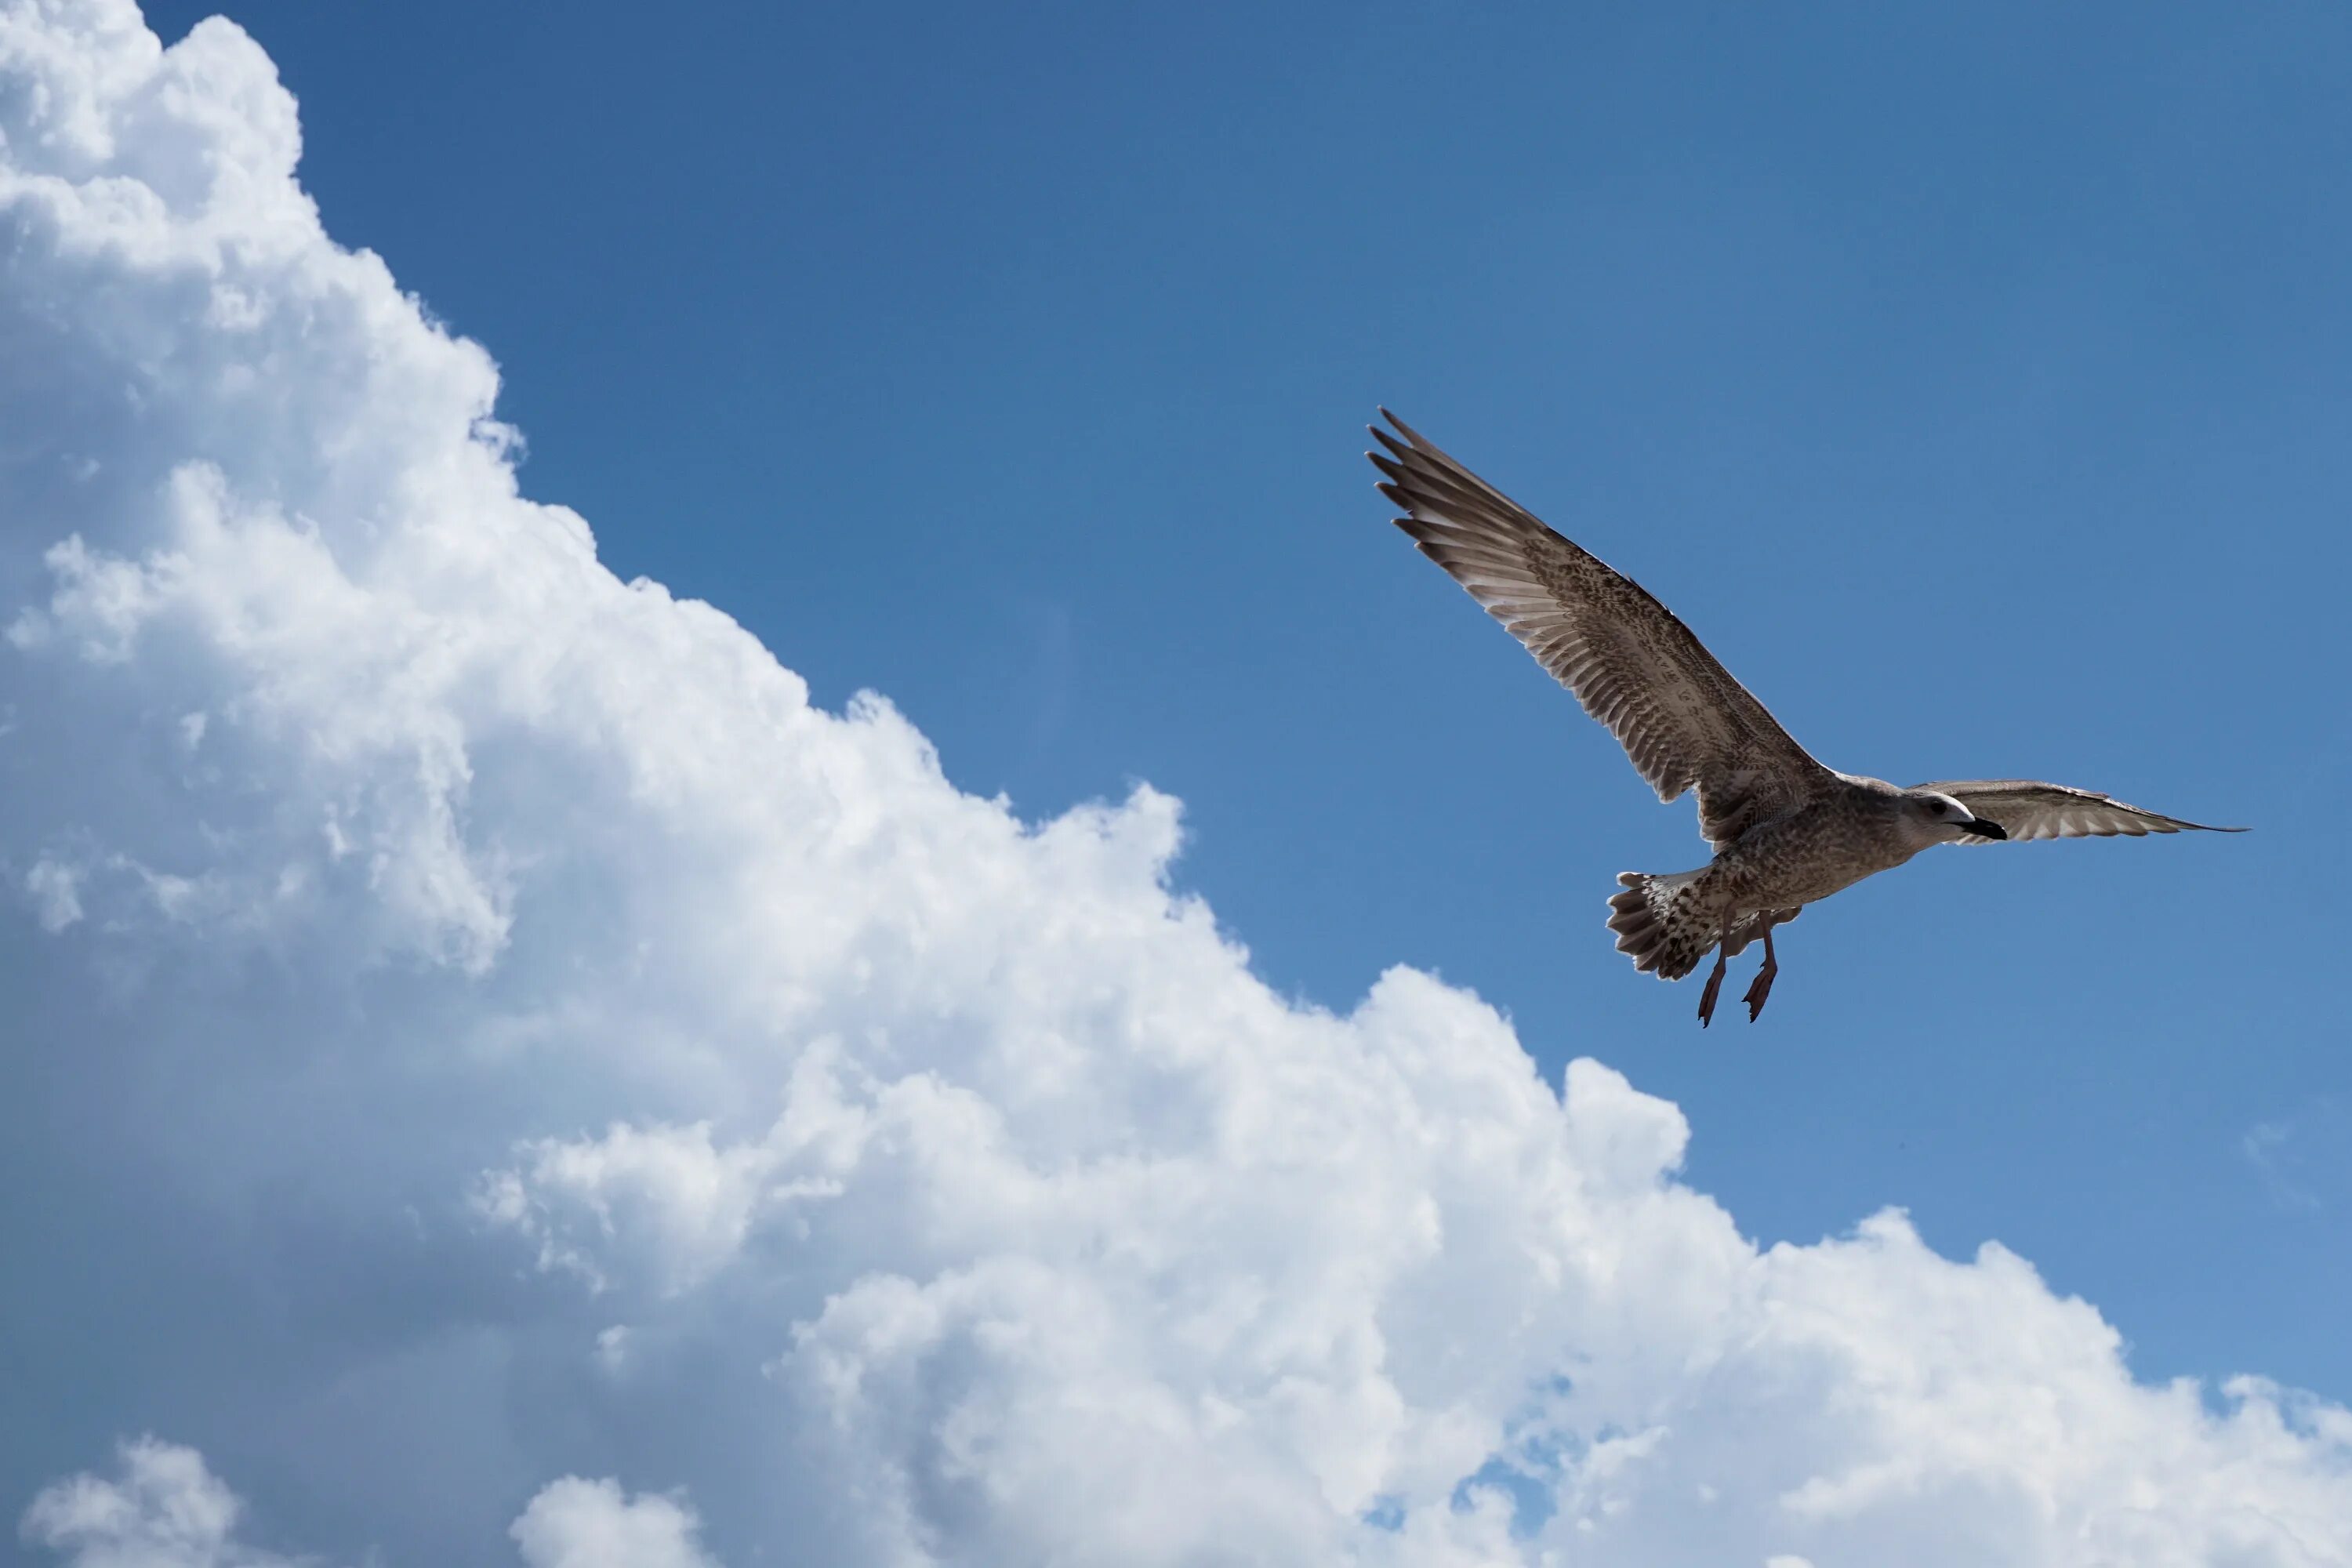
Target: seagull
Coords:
[[1786, 831]]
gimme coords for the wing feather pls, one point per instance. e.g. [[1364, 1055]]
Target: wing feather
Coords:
[[1679, 714], [2029, 809]]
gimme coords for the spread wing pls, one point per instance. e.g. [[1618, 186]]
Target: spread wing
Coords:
[[1681, 717], [2027, 808]]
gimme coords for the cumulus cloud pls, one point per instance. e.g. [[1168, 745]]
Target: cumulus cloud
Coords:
[[575, 1524], [164, 1510], [611, 1063]]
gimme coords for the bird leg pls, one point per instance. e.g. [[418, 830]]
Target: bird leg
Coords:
[[1715, 978], [1763, 986]]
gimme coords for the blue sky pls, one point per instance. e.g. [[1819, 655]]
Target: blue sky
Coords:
[[1974, 383]]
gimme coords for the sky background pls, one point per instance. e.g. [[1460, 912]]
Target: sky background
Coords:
[[1975, 384]]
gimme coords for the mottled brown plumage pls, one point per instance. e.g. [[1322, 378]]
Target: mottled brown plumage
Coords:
[[1786, 829]]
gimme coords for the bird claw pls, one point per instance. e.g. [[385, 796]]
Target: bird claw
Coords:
[[1759, 990]]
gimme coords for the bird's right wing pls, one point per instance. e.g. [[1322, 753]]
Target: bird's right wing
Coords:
[[1681, 717], [2027, 808]]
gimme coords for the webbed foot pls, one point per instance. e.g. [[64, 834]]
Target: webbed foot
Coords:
[[1763, 984], [1714, 986]]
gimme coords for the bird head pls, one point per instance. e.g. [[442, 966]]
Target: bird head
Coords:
[[1942, 819]]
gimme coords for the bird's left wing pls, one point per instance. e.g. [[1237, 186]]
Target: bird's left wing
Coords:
[[2027, 808], [1681, 717]]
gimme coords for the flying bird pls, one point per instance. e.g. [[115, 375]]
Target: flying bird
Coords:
[[1786, 831]]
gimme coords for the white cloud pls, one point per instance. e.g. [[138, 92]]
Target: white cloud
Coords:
[[165, 1509], [55, 891], [575, 1524], [934, 1187]]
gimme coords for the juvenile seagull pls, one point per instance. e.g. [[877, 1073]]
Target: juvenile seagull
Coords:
[[1786, 831]]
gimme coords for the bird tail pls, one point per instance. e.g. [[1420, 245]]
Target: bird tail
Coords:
[[1661, 922]]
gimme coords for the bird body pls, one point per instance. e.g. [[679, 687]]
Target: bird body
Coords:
[[1855, 828], [1787, 830]]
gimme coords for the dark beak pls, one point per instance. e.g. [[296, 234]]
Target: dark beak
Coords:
[[1984, 827]]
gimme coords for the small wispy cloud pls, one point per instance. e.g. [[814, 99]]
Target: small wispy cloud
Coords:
[[2278, 1151]]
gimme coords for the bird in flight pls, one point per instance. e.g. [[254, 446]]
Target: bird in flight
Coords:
[[1786, 831]]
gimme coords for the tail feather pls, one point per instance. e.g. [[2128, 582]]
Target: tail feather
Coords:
[[1659, 923]]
